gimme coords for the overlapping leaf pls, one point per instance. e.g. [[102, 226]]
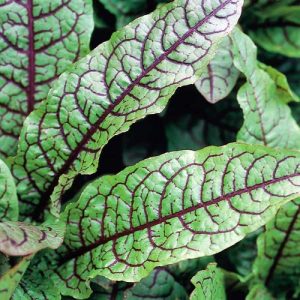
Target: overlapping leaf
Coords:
[[9, 209], [39, 39], [177, 206], [10, 280], [20, 239], [220, 75], [268, 119], [210, 284], [121, 81]]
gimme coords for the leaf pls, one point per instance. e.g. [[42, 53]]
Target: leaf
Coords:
[[38, 41], [267, 117], [121, 81], [159, 211], [220, 75], [20, 239], [9, 208], [278, 262], [210, 284], [258, 292], [10, 280], [160, 284], [280, 31]]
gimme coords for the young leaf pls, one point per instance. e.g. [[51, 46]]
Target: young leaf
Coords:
[[220, 75], [159, 211], [20, 239], [278, 259], [121, 81], [10, 280], [210, 284], [39, 39], [9, 208], [268, 119]]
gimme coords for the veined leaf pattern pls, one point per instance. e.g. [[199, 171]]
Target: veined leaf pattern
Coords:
[[20, 239], [278, 252], [267, 118], [10, 280], [173, 207], [9, 207], [39, 39], [210, 284], [121, 81], [220, 76]]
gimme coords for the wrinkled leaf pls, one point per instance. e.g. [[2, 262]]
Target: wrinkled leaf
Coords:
[[9, 207], [39, 39], [210, 284], [10, 280], [220, 75], [159, 211], [20, 239], [268, 119], [123, 80]]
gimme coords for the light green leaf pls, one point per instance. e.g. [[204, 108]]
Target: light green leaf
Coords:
[[121, 81], [9, 207], [210, 284], [220, 75], [159, 211], [259, 292], [20, 239], [268, 119], [278, 260], [39, 39], [10, 280]]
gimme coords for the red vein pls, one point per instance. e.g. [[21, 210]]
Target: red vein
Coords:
[[104, 240], [68, 163], [31, 58], [282, 245]]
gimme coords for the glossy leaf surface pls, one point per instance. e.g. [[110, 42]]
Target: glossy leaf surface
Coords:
[[220, 75], [120, 82], [159, 211], [39, 39]]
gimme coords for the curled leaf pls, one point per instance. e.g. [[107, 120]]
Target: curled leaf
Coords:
[[173, 207], [121, 81], [220, 75]]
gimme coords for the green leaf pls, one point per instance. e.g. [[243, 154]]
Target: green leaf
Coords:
[[220, 75], [159, 211], [9, 208], [268, 119], [279, 30], [259, 292], [39, 39], [10, 280], [210, 284], [20, 239], [160, 285], [121, 81], [278, 260]]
